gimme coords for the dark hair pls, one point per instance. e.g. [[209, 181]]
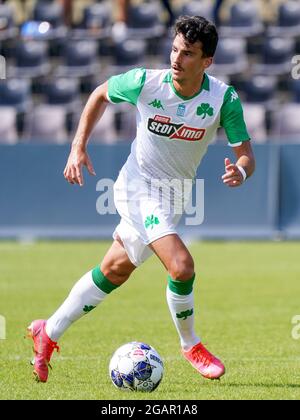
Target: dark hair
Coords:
[[197, 28]]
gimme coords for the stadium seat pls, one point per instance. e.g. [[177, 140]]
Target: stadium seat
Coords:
[[261, 89], [52, 12], [8, 29], [286, 123], [143, 21], [230, 57], [165, 48], [244, 20], [31, 60], [63, 91], [198, 8], [294, 89], [35, 30], [79, 59], [288, 23], [8, 131], [125, 122], [104, 131], [127, 54], [255, 118], [47, 124], [276, 57], [16, 93], [96, 22]]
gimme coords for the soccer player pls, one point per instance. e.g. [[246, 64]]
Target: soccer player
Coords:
[[178, 113]]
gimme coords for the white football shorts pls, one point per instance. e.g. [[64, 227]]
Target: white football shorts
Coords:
[[145, 214]]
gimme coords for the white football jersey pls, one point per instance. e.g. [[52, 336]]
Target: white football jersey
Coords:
[[173, 131]]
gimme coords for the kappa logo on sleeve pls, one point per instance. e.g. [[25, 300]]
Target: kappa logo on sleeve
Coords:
[[234, 96], [163, 126]]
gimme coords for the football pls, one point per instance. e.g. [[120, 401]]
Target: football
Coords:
[[136, 366]]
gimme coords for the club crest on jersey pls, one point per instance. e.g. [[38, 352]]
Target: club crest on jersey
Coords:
[[205, 110], [180, 110], [163, 126]]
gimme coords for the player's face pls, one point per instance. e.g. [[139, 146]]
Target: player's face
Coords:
[[187, 61]]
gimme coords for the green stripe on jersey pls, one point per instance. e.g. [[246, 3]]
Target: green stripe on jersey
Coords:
[[126, 87]]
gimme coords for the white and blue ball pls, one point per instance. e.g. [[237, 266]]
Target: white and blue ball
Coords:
[[136, 366]]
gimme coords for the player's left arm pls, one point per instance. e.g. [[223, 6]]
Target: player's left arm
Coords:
[[237, 173], [232, 119]]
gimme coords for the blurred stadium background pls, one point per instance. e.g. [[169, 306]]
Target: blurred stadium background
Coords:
[[250, 291], [57, 52]]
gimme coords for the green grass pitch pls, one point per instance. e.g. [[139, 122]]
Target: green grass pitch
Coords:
[[246, 295]]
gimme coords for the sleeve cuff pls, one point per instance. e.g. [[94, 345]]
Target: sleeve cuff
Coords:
[[235, 144], [108, 98]]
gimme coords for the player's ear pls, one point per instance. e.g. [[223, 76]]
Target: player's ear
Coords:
[[208, 62]]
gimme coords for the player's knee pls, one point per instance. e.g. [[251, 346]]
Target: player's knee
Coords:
[[182, 268]]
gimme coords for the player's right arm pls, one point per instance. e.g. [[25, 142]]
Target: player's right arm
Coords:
[[78, 156], [124, 87]]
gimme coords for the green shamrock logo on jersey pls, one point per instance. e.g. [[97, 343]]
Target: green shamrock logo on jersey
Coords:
[[205, 109], [151, 221]]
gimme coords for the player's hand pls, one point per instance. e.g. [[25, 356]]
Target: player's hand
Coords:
[[232, 177], [73, 170]]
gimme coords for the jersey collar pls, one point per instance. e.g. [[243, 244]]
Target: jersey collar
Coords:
[[204, 86]]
